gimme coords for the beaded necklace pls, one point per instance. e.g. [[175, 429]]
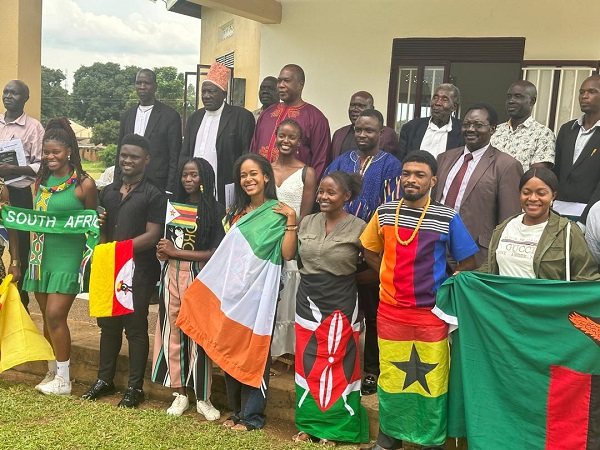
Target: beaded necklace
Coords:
[[419, 223]]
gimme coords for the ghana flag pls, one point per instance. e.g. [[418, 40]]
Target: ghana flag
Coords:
[[413, 383], [229, 309], [525, 362]]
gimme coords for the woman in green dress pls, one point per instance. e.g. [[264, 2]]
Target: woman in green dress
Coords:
[[61, 185]]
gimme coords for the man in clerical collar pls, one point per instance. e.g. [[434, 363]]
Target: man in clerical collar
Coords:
[[15, 124], [219, 132], [267, 94], [523, 138], [161, 125], [437, 133], [343, 140]]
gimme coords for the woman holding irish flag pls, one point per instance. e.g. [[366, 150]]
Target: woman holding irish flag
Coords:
[[53, 273], [229, 309], [178, 361]]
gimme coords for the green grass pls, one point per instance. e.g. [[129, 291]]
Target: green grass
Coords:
[[95, 169], [29, 420]]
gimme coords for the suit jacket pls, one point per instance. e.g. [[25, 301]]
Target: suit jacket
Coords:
[[492, 193], [412, 133], [579, 182], [164, 133], [388, 141], [236, 128]]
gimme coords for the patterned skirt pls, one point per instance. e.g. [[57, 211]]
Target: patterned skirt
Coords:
[[178, 361]]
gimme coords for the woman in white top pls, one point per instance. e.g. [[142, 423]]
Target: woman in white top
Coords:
[[536, 243], [296, 185]]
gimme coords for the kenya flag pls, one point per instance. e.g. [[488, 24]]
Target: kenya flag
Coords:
[[525, 362]]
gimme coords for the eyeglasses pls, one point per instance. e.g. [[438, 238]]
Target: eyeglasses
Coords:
[[476, 125]]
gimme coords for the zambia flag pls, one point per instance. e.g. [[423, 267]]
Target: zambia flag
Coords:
[[525, 362]]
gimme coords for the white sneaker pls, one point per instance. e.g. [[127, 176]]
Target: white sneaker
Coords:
[[47, 379], [58, 386], [179, 405], [208, 410]]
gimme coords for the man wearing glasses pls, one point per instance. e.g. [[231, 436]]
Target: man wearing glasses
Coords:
[[478, 180]]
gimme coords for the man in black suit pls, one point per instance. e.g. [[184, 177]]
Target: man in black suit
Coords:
[[577, 156], [161, 125], [219, 132], [437, 133]]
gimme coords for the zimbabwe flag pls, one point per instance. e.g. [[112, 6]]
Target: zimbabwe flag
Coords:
[[525, 362]]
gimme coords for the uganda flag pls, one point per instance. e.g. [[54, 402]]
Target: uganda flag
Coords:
[[229, 309], [413, 383], [525, 362], [111, 279]]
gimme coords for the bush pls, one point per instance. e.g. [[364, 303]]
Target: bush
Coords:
[[106, 132], [108, 155]]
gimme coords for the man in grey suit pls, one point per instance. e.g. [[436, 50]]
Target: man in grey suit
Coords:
[[577, 156], [478, 180], [158, 123]]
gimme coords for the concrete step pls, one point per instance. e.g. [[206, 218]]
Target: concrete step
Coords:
[[85, 336]]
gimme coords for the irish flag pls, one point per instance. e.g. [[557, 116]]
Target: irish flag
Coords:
[[111, 279], [229, 309], [525, 362]]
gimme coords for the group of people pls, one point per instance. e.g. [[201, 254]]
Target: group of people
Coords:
[[364, 226]]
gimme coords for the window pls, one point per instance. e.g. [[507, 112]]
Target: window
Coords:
[[481, 68], [558, 84]]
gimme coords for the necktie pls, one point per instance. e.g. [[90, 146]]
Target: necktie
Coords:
[[452, 194]]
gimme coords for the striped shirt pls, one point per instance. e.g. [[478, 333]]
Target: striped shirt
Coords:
[[411, 274]]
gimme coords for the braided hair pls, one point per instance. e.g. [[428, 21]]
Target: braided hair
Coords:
[[59, 129], [291, 122], [207, 202]]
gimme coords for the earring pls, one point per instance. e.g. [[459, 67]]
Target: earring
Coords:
[[201, 188]]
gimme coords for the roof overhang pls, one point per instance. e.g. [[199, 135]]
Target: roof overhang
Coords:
[[185, 7], [263, 11]]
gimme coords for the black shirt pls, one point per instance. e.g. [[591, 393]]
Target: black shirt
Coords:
[[127, 217]]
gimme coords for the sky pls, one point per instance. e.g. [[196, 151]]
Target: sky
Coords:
[[79, 33]]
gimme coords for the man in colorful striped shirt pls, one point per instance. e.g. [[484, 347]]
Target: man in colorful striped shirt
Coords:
[[406, 242]]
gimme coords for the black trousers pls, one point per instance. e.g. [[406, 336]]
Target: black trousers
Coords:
[[391, 443], [23, 198], [368, 302], [136, 332]]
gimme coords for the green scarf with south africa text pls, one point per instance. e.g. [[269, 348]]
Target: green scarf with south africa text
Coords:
[[59, 222]]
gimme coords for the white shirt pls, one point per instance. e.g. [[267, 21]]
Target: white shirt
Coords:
[[477, 155], [517, 247], [435, 140], [141, 119], [206, 139], [592, 230], [583, 137]]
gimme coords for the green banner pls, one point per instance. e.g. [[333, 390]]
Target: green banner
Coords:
[[60, 222]]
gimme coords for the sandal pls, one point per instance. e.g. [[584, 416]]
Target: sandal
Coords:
[[301, 436], [284, 366], [230, 422], [243, 427], [327, 443]]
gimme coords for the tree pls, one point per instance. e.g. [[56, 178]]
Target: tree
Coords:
[[106, 132], [101, 91], [56, 101]]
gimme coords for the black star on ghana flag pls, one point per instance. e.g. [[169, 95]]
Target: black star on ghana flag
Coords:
[[415, 370]]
